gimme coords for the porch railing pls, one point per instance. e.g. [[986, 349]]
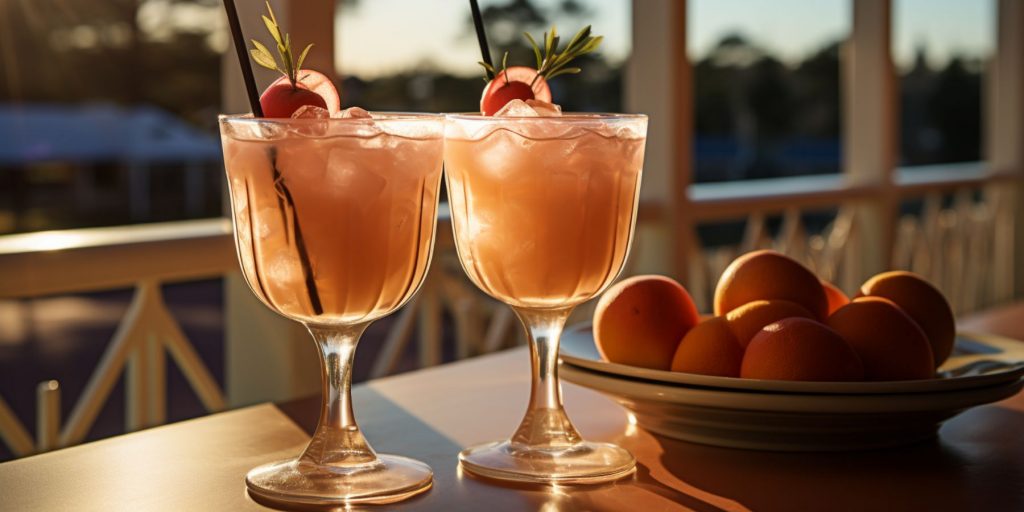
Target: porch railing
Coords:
[[954, 240], [141, 257]]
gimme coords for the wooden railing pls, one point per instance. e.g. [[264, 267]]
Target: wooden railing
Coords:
[[958, 239], [141, 257], [955, 241]]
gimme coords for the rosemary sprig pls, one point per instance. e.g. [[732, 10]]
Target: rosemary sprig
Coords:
[[490, 69], [262, 56], [504, 66], [551, 62]]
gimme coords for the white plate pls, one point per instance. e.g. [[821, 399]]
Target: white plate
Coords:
[[978, 360], [786, 421]]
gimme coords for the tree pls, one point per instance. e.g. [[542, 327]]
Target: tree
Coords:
[[955, 110], [97, 50]]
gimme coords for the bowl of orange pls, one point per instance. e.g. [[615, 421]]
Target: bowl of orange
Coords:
[[787, 361]]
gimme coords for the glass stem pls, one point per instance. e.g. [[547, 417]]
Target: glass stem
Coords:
[[337, 440], [545, 425]]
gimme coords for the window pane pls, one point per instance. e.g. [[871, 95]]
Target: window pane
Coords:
[[766, 87], [426, 59], [108, 112], [941, 48]]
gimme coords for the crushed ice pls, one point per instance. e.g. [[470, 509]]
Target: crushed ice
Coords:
[[311, 112], [352, 113], [324, 129], [529, 108], [516, 108], [315, 112], [544, 109]]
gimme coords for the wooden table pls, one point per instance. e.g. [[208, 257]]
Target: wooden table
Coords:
[[977, 463]]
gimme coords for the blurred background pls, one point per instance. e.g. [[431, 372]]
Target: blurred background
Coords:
[[95, 93], [108, 119]]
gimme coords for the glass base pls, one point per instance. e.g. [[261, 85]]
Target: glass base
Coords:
[[582, 463], [388, 479]]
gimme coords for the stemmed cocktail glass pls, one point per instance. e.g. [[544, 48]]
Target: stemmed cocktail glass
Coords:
[[334, 225], [543, 210]]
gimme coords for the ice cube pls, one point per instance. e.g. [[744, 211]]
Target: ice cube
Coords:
[[365, 130], [353, 113], [467, 129], [516, 108], [311, 112], [544, 109], [631, 130], [266, 131], [282, 268], [413, 128], [502, 154], [351, 177], [263, 230]]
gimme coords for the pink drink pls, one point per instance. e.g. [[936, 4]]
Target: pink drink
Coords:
[[335, 219], [543, 208]]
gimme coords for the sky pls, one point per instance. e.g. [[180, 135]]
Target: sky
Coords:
[[433, 32], [947, 26]]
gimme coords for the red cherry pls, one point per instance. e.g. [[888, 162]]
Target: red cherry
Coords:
[[318, 83], [280, 99], [507, 92], [502, 90]]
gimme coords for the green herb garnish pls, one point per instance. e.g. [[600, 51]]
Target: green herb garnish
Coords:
[[261, 54], [494, 72], [550, 61], [553, 61]]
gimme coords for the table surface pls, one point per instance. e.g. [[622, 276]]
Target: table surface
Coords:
[[977, 462]]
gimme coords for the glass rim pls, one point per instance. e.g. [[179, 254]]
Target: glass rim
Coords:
[[379, 117], [565, 117]]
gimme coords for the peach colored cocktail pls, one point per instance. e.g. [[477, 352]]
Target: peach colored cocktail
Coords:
[[334, 224], [544, 209], [334, 219]]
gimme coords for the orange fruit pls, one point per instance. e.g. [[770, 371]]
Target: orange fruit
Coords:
[[761, 275], [709, 349], [746, 320], [889, 343], [800, 349], [639, 321], [836, 297], [922, 302]]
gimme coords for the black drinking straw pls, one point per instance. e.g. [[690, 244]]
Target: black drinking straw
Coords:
[[279, 183], [243, 58], [481, 37]]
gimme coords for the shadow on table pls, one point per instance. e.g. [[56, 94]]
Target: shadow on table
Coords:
[[636, 492], [457, 490], [977, 463]]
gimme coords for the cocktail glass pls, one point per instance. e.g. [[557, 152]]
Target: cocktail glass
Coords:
[[543, 210], [334, 226]]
